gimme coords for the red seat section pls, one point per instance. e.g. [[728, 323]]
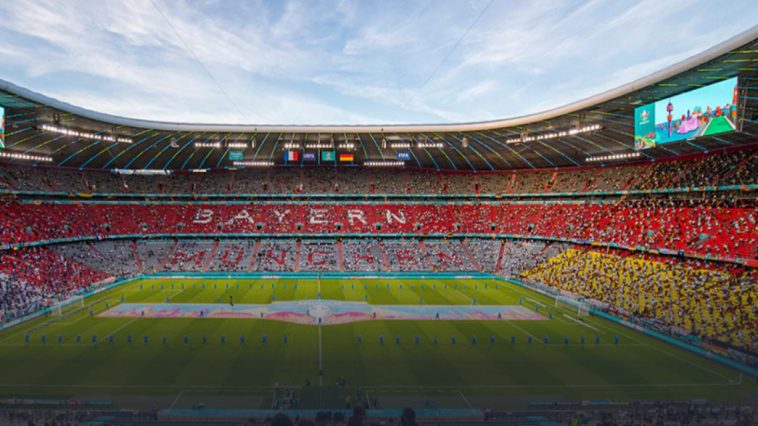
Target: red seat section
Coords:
[[694, 227]]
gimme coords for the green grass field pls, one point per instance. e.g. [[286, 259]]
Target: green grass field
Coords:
[[481, 374]]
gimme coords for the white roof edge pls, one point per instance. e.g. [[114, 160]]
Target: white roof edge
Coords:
[[685, 65]]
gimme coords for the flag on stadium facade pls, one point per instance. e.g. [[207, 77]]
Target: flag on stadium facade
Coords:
[[309, 156], [327, 155], [235, 155], [291, 156], [346, 158], [404, 155]]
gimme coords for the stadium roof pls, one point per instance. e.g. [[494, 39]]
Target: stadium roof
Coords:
[[34, 124]]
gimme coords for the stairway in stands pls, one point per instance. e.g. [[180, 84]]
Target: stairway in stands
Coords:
[[340, 256], [137, 259], [499, 265], [471, 257], [210, 256]]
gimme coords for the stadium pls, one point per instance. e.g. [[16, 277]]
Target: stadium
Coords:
[[593, 263]]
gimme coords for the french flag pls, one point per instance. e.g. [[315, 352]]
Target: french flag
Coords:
[[292, 156]]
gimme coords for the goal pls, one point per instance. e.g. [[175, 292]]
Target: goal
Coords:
[[581, 307]]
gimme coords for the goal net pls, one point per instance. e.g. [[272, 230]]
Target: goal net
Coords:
[[573, 304]]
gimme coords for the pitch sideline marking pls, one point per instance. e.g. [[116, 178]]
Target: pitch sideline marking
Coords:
[[522, 330], [549, 345], [507, 321], [176, 400], [535, 301], [465, 399], [320, 352], [67, 323], [121, 327], [709, 370], [581, 322], [524, 291], [320, 359], [379, 387]]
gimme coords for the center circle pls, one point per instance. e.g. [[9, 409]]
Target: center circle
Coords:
[[319, 311]]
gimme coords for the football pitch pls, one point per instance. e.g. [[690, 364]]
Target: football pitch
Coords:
[[459, 343]]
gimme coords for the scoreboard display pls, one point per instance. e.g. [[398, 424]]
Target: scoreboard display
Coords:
[[705, 111]]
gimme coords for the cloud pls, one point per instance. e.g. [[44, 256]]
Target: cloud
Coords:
[[341, 61]]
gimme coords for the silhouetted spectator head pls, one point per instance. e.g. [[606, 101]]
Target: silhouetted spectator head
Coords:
[[408, 418], [281, 420]]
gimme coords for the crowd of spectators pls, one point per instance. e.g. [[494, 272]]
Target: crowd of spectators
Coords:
[[699, 299], [448, 255], [189, 256], [39, 417], [19, 298], [703, 226], [319, 255], [649, 413], [232, 256], [36, 277], [693, 298], [118, 258], [696, 298], [32, 278], [739, 167], [403, 255], [277, 256], [152, 255], [519, 256], [362, 255]]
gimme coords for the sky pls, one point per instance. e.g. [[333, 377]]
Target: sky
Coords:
[[348, 62]]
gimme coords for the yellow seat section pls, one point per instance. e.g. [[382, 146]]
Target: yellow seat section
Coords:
[[711, 303]]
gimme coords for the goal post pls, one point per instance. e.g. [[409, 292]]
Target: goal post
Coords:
[[581, 308]]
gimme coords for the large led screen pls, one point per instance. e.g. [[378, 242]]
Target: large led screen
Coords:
[[706, 111]]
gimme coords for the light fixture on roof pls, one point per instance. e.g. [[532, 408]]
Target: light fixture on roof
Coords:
[[553, 135], [253, 163], [383, 163], [614, 157], [236, 145], [428, 143], [290, 145], [142, 172], [400, 145], [213, 145], [319, 145], [67, 131], [464, 142], [174, 142], [26, 157], [346, 145]]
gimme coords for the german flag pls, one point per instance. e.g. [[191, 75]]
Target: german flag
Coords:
[[346, 158]]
